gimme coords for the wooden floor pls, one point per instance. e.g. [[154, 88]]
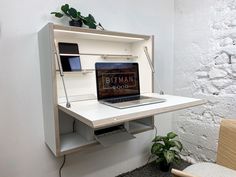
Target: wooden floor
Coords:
[[152, 170]]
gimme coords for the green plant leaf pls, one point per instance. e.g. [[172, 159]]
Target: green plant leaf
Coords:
[[171, 135], [90, 21], [177, 158], [65, 8], [91, 25], [72, 12], [156, 148], [166, 142], [78, 14], [57, 14], [177, 144], [171, 143], [157, 138], [175, 151], [91, 18], [169, 156]]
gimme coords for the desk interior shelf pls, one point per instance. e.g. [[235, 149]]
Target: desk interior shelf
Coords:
[[83, 71], [128, 57], [72, 141], [104, 56], [136, 127]]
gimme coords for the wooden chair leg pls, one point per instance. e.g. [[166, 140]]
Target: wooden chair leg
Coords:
[[178, 173]]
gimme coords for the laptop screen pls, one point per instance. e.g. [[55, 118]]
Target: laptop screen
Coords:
[[117, 80]]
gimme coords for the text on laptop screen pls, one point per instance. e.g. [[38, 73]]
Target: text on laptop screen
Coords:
[[117, 79]]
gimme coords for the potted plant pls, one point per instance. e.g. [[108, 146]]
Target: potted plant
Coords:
[[166, 150], [72, 13], [76, 19]]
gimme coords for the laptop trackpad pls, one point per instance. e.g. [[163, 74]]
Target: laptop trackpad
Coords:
[[110, 138], [137, 102]]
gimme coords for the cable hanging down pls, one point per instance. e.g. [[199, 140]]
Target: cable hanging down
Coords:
[[62, 165]]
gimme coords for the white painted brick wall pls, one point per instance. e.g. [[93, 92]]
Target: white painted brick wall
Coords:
[[205, 67]]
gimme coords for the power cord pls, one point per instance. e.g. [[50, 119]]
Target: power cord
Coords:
[[73, 126], [62, 165]]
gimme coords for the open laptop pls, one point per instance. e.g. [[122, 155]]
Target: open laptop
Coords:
[[118, 85]]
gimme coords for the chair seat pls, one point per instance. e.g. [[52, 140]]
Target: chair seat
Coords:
[[206, 169]]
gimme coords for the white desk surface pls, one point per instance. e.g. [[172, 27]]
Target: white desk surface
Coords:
[[96, 115]]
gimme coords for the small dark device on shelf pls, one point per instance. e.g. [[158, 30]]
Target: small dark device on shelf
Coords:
[[69, 56]]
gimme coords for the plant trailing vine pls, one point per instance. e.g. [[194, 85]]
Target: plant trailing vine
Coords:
[[76, 18]]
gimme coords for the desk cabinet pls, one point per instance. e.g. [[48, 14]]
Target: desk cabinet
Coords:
[[71, 129]]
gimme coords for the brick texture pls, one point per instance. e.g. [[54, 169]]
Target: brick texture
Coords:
[[205, 67]]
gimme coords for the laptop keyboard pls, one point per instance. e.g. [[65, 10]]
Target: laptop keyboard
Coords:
[[124, 99]]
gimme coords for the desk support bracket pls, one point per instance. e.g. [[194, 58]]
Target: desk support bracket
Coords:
[[61, 74], [149, 59]]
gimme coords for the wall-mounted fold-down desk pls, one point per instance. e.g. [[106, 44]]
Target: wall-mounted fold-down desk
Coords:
[[87, 122], [96, 115]]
